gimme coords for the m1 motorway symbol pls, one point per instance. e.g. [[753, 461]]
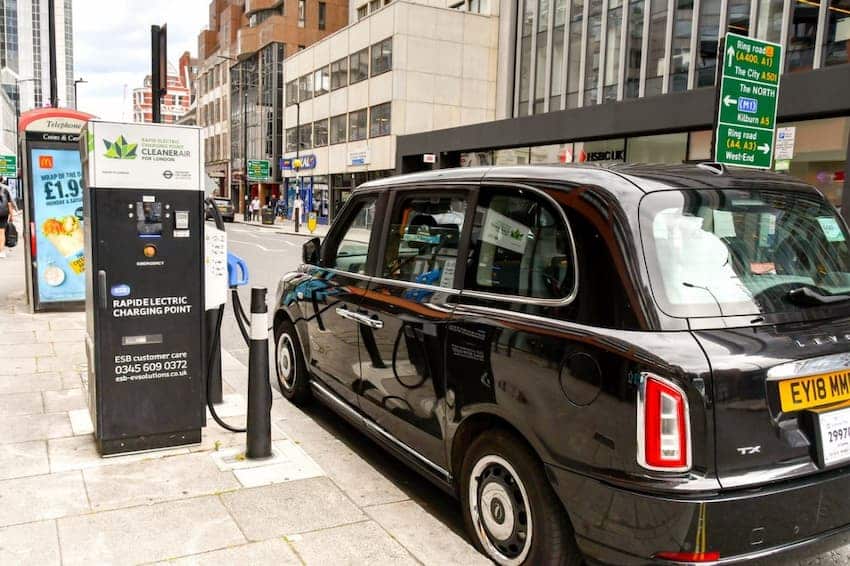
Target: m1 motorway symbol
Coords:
[[747, 101]]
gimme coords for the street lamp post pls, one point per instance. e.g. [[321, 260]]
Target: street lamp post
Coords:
[[76, 82], [296, 216], [244, 131]]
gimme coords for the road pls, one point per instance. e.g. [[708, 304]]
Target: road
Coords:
[[271, 253]]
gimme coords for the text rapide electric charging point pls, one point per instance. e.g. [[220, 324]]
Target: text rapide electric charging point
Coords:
[[144, 239]]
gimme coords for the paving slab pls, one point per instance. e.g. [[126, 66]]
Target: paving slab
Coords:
[[71, 380], [62, 324], [148, 533], [80, 421], [288, 463], [418, 531], [290, 508], [34, 427], [161, 479], [36, 498], [28, 382], [63, 400], [359, 543], [23, 459], [273, 551], [77, 335], [21, 404], [32, 543], [30, 350], [17, 366], [15, 337], [80, 452], [60, 363]]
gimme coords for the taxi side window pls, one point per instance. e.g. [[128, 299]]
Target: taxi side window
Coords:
[[422, 242], [520, 246], [352, 248]]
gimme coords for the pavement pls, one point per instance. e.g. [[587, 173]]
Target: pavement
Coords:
[[329, 496]]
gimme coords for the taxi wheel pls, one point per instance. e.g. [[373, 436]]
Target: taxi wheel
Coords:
[[509, 508], [289, 364]]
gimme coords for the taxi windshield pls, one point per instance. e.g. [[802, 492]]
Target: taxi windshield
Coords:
[[743, 252]]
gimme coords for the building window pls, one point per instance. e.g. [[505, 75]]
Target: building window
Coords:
[[291, 92], [706, 55], [739, 17], [655, 64], [305, 136], [556, 87], [574, 59], [593, 54], [382, 56], [339, 74], [379, 120], [837, 47], [362, 11], [302, 13], [357, 125], [769, 22], [339, 129], [800, 52], [666, 148], [323, 9], [374, 5], [611, 74], [525, 56], [681, 46], [633, 49], [320, 133], [291, 139], [321, 81], [540, 56], [305, 87], [359, 65]]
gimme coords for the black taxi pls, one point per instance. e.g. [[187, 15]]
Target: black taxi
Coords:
[[624, 365]]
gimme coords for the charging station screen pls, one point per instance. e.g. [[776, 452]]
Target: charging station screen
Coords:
[[58, 224]]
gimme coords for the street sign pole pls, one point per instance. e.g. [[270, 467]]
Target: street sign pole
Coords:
[[746, 102]]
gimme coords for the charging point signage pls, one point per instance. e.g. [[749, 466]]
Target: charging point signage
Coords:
[[145, 300], [53, 207]]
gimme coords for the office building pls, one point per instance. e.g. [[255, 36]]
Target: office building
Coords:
[[25, 53], [616, 80], [404, 67]]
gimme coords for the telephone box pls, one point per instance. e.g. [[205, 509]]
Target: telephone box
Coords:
[[53, 208], [144, 240]]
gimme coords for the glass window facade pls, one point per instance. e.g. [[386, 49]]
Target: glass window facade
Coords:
[[572, 53], [382, 56], [339, 129], [359, 66], [339, 74]]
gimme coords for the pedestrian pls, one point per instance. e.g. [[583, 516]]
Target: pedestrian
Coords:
[[7, 215], [255, 209]]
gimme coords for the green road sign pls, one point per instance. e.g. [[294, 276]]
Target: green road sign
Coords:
[[258, 170], [749, 93], [8, 165]]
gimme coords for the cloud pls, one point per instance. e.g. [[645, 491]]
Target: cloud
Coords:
[[112, 47]]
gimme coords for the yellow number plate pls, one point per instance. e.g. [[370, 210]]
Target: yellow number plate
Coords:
[[814, 390]]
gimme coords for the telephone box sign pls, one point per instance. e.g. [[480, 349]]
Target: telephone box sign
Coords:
[[748, 97], [155, 156]]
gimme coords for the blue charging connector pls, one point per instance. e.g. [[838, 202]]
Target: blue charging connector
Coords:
[[237, 271]]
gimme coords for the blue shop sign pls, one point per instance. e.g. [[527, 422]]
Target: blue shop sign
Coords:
[[307, 162]]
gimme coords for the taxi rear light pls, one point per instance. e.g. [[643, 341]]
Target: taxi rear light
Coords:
[[712, 556], [663, 426]]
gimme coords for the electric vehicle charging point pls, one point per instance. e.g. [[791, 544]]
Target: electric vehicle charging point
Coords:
[[144, 240]]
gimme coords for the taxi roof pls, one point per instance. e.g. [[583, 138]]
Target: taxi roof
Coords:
[[619, 178]]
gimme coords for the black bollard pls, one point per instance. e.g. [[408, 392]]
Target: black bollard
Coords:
[[215, 368], [259, 438]]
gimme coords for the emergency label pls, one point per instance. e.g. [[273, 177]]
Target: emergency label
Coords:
[[150, 306], [143, 367]]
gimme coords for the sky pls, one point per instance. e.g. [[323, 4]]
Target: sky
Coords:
[[112, 47]]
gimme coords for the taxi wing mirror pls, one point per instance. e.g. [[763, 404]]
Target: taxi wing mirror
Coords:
[[311, 251]]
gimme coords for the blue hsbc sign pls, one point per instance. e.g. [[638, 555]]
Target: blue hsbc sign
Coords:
[[307, 162]]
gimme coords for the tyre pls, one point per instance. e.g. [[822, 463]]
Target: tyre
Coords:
[[511, 512], [291, 370]]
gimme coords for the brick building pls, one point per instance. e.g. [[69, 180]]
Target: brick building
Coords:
[[177, 100]]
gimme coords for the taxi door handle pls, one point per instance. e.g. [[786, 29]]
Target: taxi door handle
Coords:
[[360, 318]]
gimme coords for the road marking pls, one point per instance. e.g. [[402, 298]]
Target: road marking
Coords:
[[262, 247]]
